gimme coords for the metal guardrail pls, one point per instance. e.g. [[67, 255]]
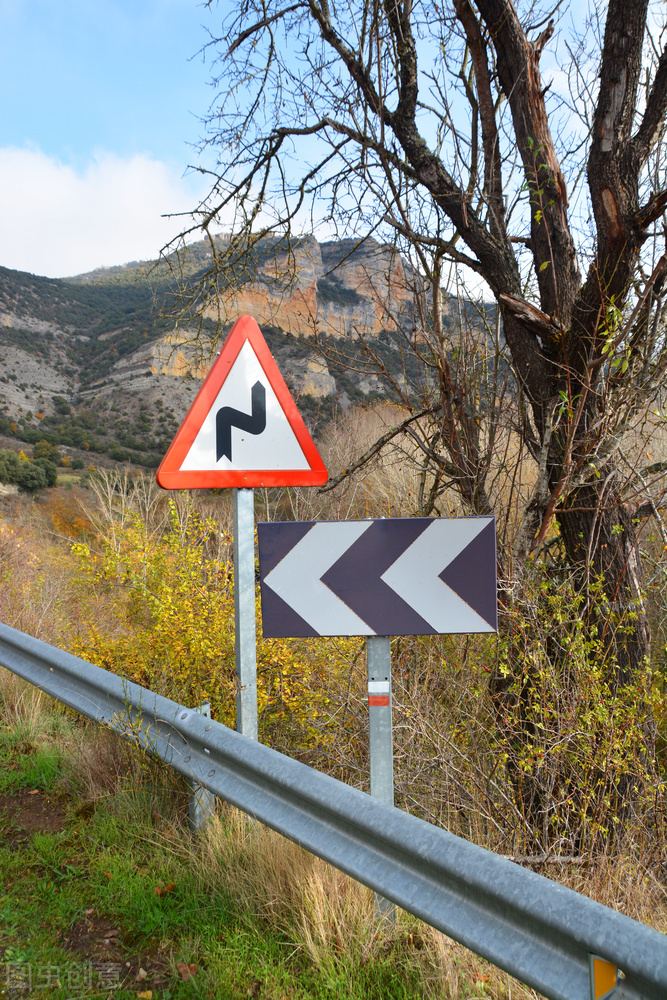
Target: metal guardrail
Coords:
[[533, 928]]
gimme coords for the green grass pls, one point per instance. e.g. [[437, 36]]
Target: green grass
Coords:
[[127, 861], [69, 478], [51, 883], [26, 763]]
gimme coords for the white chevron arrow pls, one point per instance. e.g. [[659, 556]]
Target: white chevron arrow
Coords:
[[297, 578], [415, 576]]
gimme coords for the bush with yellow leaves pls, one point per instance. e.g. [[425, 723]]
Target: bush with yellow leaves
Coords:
[[171, 626]]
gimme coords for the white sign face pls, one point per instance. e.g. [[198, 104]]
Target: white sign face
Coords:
[[246, 427]]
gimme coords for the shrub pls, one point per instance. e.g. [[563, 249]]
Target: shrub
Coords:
[[172, 624], [61, 405], [43, 449], [31, 478], [579, 749], [9, 466], [50, 470], [66, 509]]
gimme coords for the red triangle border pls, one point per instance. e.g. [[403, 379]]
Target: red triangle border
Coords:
[[170, 476]]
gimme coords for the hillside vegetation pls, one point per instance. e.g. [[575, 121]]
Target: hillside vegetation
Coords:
[[144, 585], [109, 362]]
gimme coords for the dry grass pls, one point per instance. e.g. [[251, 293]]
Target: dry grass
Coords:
[[34, 577], [327, 915], [24, 706]]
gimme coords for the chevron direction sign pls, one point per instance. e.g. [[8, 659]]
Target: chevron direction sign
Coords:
[[394, 576]]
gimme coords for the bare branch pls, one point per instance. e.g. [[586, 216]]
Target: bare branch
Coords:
[[264, 23], [373, 450], [654, 112]]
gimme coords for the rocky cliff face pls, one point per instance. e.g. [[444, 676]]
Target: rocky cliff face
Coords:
[[99, 343], [336, 290], [342, 290]]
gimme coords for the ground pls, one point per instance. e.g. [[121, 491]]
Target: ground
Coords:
[[98, 950]]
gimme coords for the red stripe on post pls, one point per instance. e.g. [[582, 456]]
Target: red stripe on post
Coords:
[[378, 699]]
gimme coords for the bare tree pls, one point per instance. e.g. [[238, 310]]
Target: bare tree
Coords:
[[428, 122]]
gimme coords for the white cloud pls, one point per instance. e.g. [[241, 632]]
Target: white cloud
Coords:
[[58, 221]]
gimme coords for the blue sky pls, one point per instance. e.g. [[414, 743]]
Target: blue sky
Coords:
[[99, 110]]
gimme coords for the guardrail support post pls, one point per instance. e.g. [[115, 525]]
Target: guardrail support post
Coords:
[[202, 802], [245, 640]]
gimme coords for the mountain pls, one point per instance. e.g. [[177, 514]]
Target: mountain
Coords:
[[109, 362]]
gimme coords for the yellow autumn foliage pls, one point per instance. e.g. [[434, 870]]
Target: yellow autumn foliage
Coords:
[[172, 626]]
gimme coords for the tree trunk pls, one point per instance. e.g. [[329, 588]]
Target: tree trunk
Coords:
[[602, 546]]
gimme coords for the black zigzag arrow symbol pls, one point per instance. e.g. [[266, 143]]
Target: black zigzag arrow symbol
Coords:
[[227, 417]]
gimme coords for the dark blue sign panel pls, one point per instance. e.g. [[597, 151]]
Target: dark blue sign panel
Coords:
[[393, 576]]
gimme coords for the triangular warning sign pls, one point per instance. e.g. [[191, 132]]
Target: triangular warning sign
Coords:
[[243, 429]]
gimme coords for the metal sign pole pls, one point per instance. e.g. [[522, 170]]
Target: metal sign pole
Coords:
[[378, 655], [244, 612], [378, 658]]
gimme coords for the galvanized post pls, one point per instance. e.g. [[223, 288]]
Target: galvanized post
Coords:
[[378, 655], [244, 612], [378, 658], [202, 802]]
